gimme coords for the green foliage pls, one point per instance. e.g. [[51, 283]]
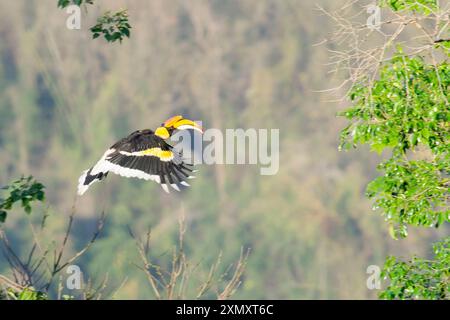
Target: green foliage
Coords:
[[412, 192], [420, 6], [65, 3], [113, 26], [443, 44], [419, 278], [26, 294], [24, 190], [405, 108]]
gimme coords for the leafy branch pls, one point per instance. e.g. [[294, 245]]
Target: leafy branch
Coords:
[[24, 190], [113, 26], [399, 92], [419, 278]]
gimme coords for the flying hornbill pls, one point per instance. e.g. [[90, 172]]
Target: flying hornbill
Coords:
[[145, 154]]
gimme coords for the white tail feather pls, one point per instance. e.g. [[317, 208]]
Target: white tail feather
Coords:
[[81, 187]]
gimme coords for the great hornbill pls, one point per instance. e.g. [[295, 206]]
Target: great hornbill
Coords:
[[145, 154]]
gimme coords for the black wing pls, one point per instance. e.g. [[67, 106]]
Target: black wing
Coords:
[[146, 156]]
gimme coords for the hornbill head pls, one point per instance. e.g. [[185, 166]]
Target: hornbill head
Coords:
[[176, 123]]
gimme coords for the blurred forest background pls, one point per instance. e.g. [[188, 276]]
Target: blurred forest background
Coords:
[[64, 99]]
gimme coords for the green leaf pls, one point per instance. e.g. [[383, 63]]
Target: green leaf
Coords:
[[392, 232], [3, 215], [441, 219], [27, 209], [25, 190]]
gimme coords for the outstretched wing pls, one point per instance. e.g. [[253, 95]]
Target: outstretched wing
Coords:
[[144, 155]]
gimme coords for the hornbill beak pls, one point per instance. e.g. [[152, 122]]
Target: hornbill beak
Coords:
[[179, 123]]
